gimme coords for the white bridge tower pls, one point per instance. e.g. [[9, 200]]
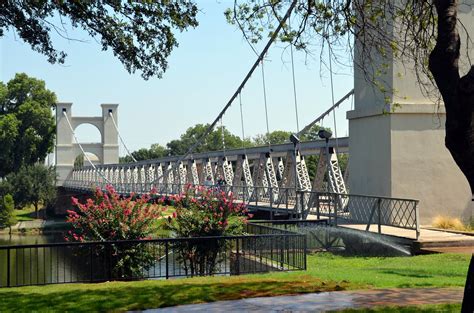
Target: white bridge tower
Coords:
[[67, 149]]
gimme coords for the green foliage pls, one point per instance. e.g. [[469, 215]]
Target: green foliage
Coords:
[[203, 212], [34, 185], [273, 138], [27, 126], [213, 142], [156, 151], [79, 161], [140, 33], [312, 133], [7, 218]]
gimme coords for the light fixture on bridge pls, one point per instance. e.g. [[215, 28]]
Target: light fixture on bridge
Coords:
[[324, 134], [294, 139]]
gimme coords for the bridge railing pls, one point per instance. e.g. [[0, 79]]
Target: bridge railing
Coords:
[[363, 209], [337, 207]]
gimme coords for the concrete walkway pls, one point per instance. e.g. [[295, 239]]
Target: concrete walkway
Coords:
[[326, 301]]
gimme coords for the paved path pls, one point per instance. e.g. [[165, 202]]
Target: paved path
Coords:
[[325, 301]]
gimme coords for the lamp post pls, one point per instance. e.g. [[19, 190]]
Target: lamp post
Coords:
[[295, 140], [325, 134]]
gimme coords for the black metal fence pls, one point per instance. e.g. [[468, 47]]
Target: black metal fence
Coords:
[[267, 249]]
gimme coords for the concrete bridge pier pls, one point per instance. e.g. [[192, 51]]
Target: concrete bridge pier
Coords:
[[396, 138]]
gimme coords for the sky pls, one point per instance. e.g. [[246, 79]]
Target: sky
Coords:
[[204, 71]]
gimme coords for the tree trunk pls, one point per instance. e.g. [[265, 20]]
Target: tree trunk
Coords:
[[468, 302], [458, 96], [36, 210], [457, 92]]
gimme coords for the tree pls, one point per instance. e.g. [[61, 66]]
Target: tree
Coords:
[[156, 151], [7, 219], [213, 142], [140, 33], [33, 185], [79, 161], [312, 133], [109, 217], [273, 138], [27, 126]]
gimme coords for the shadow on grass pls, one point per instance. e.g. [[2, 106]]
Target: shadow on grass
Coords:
[[408, 273], [127, 296], [27, 214], [408, 309]]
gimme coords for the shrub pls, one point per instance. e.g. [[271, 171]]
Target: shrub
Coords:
[[7, 219], [445, 222], [202, 212], [109, 218]]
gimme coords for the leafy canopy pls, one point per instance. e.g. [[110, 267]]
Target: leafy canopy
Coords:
[[140, 33], [27, 126], [212, 142], [34, 185]]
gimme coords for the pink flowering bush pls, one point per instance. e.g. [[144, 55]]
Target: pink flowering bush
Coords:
[[108, 217], [204, 212]]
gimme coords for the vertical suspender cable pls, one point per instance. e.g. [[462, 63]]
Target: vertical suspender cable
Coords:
[[223, 135], [121, 139], [294, 83], [332, 95], [265, 103], [242, 120]]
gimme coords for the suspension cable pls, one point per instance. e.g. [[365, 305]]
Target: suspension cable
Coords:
[[223, 135], [323, 115], [241, 86], [82, 149], [332, 96], [294, 82], [121, 139], [266, 107], [242, 120]]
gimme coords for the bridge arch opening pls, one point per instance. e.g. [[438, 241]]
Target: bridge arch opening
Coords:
[[81, 160], [88, 133]]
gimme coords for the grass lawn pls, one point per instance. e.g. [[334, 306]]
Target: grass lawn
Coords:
[[25, 214], [325, 273], [455, 308]]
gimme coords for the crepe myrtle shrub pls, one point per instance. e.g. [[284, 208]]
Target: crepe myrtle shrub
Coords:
[[108, 217], [204, 212]]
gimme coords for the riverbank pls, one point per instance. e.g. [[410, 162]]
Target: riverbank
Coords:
[[38, 226]]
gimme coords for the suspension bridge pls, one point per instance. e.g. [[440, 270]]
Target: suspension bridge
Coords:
[[379, 186]]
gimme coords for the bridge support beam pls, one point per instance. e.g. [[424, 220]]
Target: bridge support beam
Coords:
[[396, 140]]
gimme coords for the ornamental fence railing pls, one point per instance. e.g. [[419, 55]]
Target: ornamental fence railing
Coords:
[[264, 249]]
